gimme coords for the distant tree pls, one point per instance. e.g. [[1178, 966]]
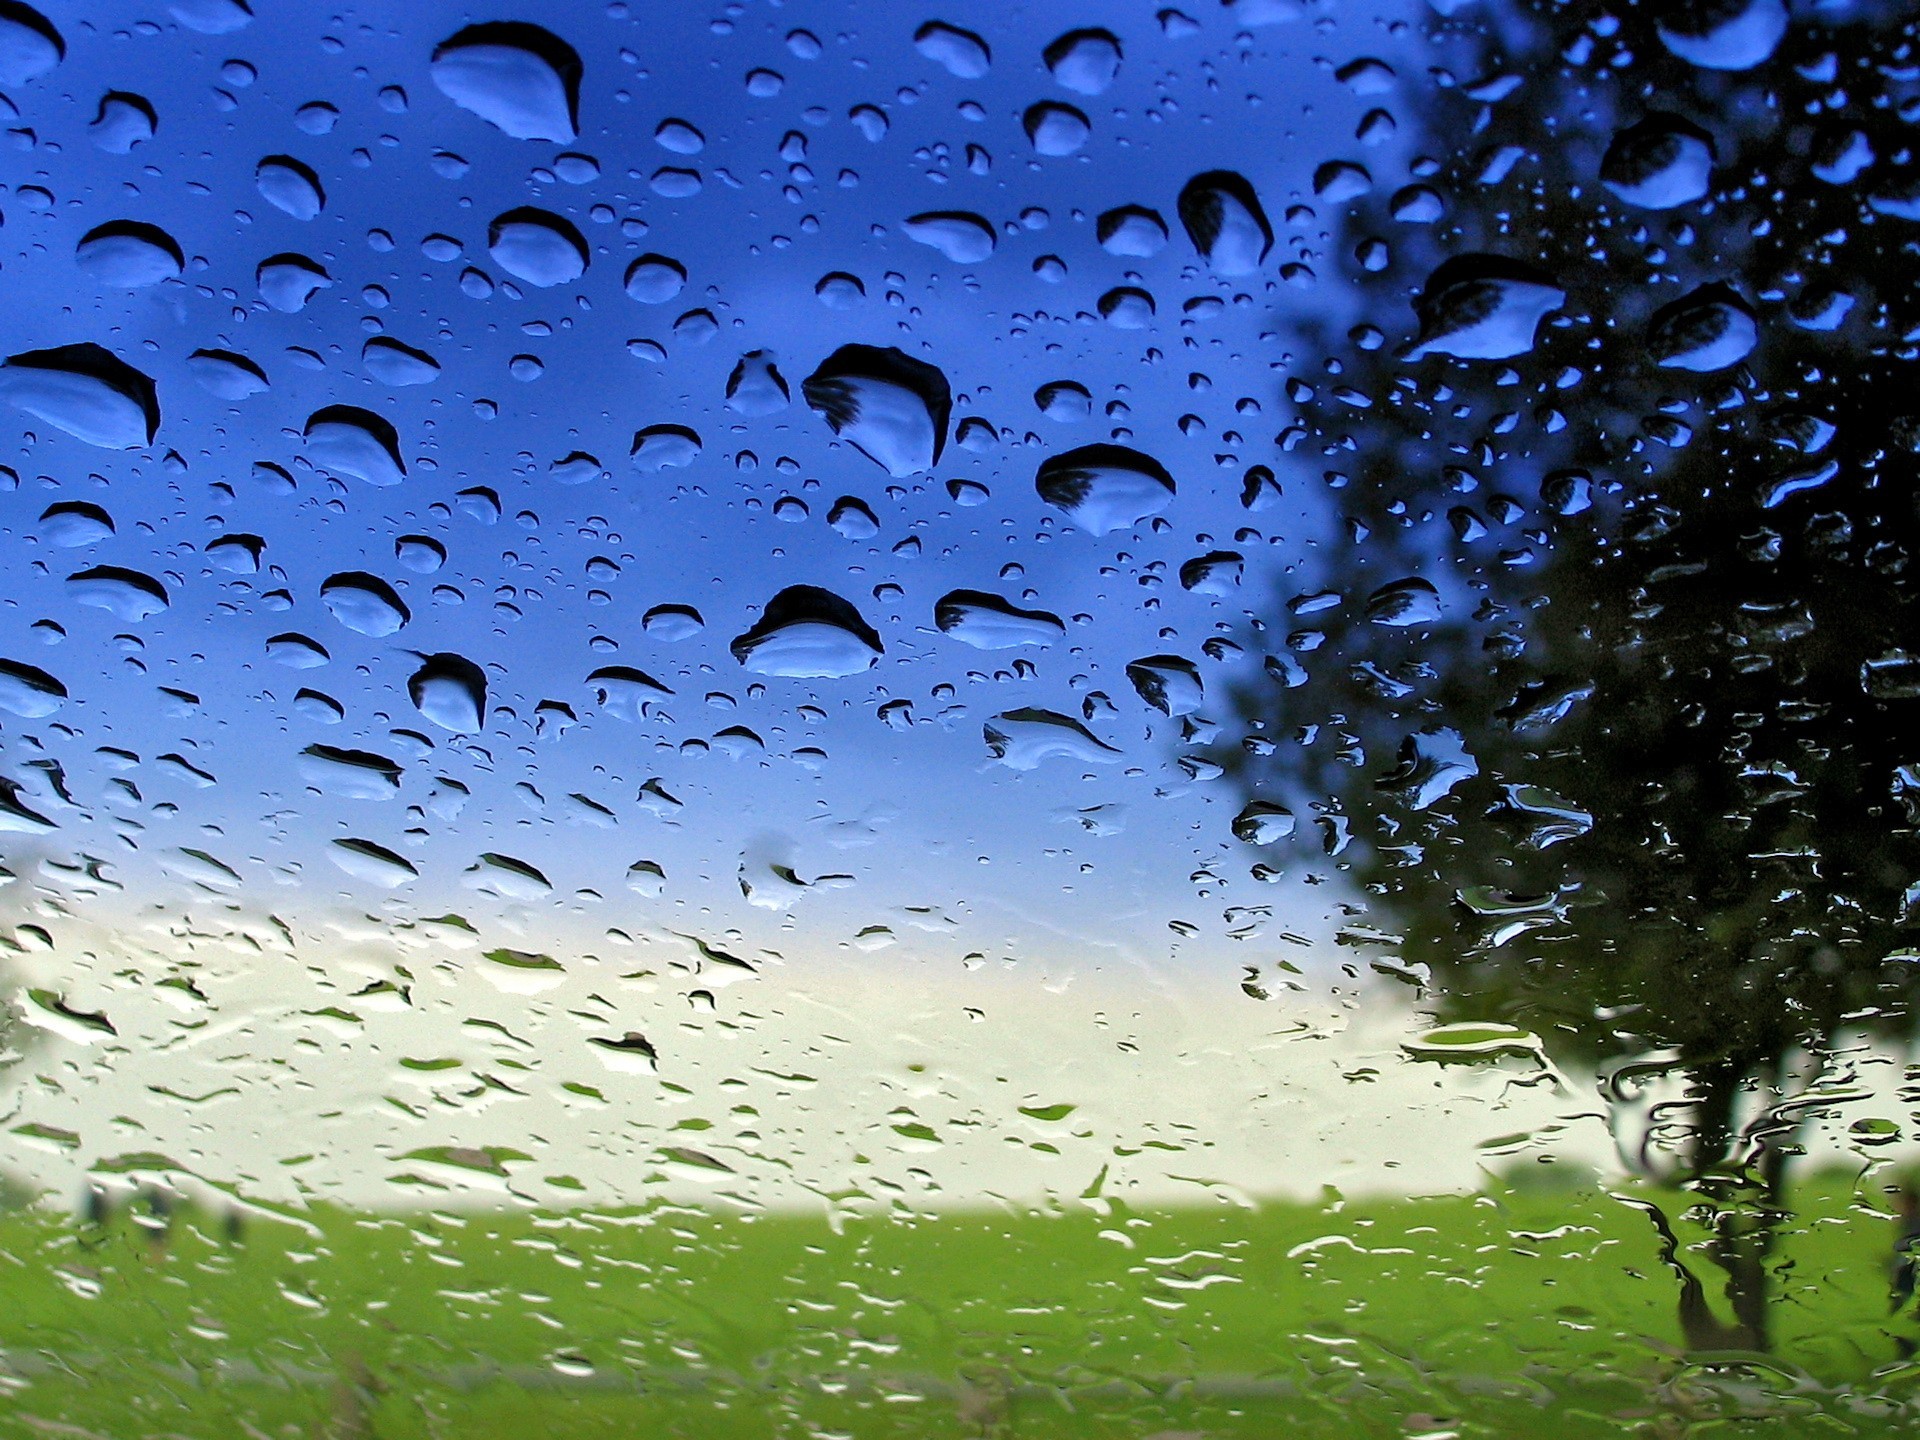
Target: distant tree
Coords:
[[1614, 721]]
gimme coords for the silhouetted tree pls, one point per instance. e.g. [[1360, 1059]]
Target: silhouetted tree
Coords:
[[1613, 720]]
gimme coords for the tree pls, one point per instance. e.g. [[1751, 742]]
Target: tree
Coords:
[[1613, 721]]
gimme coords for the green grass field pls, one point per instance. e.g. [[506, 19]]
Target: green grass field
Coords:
[[1514, 1313]]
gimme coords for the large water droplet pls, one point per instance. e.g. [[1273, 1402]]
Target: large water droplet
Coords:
[[349, 774], [1723, 34], [129, 254], [517, 77], [1168, 683], [355, 442], [807, 633], [1659, 163], [290, 187], [1223, 218], [537, 246], [1104, 488], [364, 603], [451, 691], [889, 406], [87, 391], [655, 279], [288, 281], [988, 622], [124, 594], [123, 121], [225, 373], [959, 52], [1022, 739], [28, 691], [1482, 307], [1709, 329], [1084, 61], [29, 44], [961, 236], [665, 447], [396, 364], [74, 523]]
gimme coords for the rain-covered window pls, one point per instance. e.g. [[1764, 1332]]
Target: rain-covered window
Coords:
[[840, 719]]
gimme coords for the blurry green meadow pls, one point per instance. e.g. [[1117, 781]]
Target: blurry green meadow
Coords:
[[1529, 1309]]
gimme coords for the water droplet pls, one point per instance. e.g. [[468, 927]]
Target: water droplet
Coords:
[[655, 279], [74, 523], [29, 45], [1056, 129], [1104, 488], [349, 774], [988, 622], [1482, 307], [756, 387], [960, 52], [1084, 61], [537, 246], [665, 447], [28, 691], [229, 375], [1659, 163], [86, 391], [1023, 739], [1223, 218], [1168, 683], [123, 121], [129, 254], [808, 633], [364, 860], [355, 442], [519, 78], [962, 237], [364, 603], [128, 595], [1402, 603], [1723, 34], [1707, 330], [451, 691], [393, 363], [288, 281], [889, 406], [672, 622], [290, 187], [1133, 231], [1262, 822]]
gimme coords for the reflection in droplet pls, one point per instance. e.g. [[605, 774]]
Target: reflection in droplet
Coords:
[[1223, 218], [129, 254], [519, 78], [1104, 488], [364, 603], [808, 633], [988, 622], [1482, 307], [889, 406], [1025, 738], [537, 246], [451, 691], [128, 595], [355, 442], [86, 391]]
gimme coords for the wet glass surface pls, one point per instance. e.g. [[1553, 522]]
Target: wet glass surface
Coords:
[[826, 720]]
